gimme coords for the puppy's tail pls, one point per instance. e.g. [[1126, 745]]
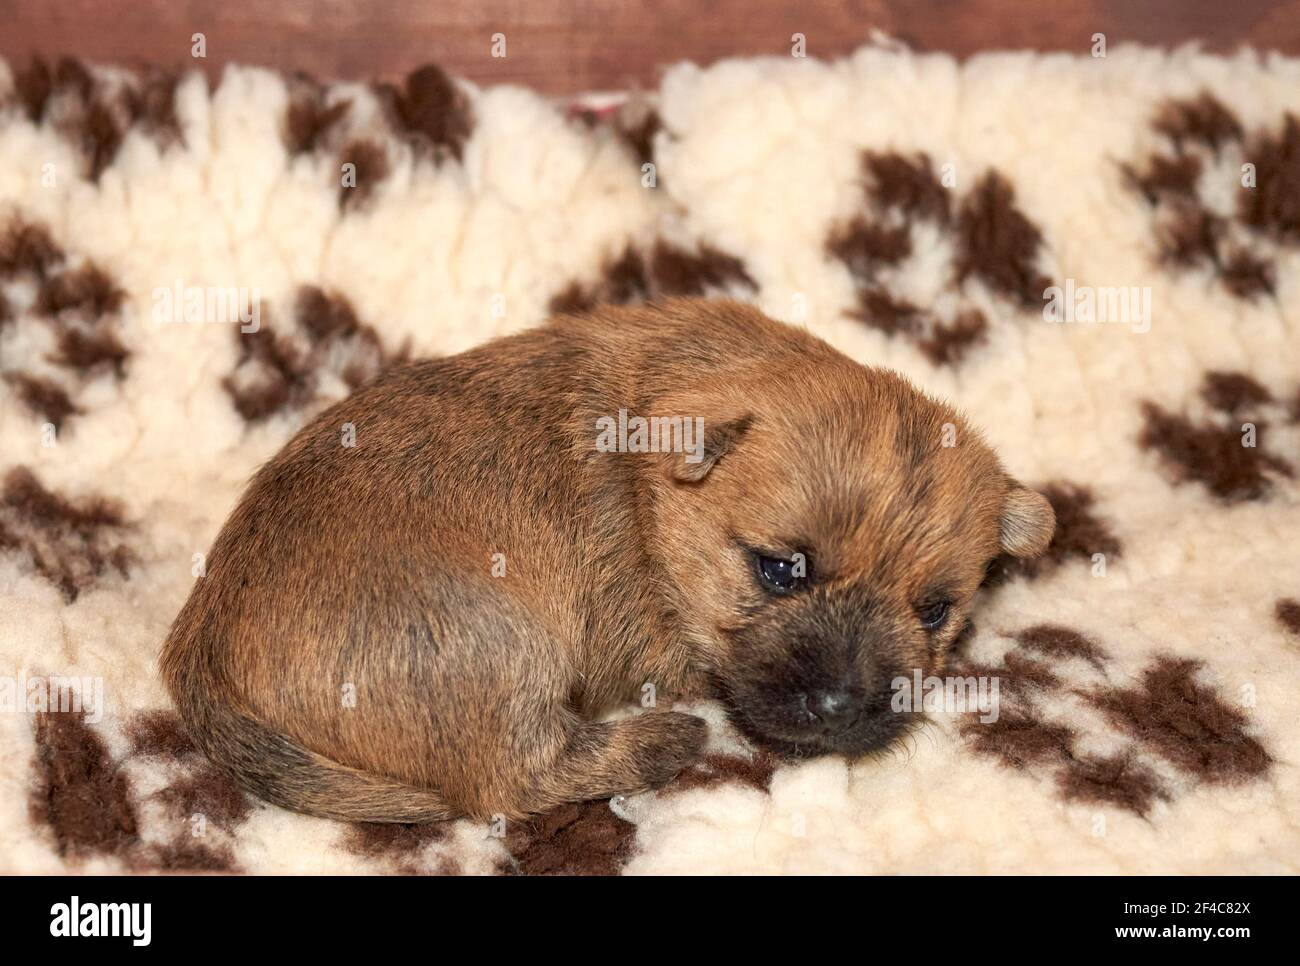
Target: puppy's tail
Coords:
[[276, 769]]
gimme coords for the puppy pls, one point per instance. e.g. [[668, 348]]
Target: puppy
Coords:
[[422, 604]]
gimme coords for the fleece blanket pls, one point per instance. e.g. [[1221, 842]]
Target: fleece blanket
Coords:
[[1098, 257]]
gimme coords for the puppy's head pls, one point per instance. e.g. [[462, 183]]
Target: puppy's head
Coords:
[[828, 539]]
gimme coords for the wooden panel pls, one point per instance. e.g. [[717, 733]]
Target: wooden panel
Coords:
[[590, 45]]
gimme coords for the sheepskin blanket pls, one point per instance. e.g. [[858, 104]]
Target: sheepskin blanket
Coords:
[[1098, 257]]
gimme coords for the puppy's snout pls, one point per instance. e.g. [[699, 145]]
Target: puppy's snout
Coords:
[[833, 710]]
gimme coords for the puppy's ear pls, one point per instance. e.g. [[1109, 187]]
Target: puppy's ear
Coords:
[[719, 438], [1028, 522]]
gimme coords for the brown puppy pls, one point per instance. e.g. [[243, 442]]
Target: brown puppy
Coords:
[[425, 623]]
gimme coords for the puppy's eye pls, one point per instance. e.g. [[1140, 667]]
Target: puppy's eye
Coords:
[[933, 614], [778, 575]]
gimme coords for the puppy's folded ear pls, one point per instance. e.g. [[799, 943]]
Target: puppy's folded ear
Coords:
[[705, 450], [1028, 522]]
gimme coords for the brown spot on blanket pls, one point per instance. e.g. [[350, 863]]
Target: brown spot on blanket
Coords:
[[94, 114], [948, 342], [1119, 780], [1213, 455], [370, 166], [394, 840], [159, 732], [718, 769], [1287, 613], [666, 270], [1272, 206], [80, 305], [1233, 392], [1188, 236], [888, 313], [1055, 641], [906, 185], [81, 794], [584, 838], [994, 242], [1202, 119], [66, 543], [1247, 275], [676, 271], [1202, 140], [210, 793], [152, 104], [863, 246], [1018, 672], [280, 370], [201, 798], [32, 88], [1185, 722], [430, 110], [271, 374], [44, 397], [1021, 737], [1164, 176], [27, 248], [91, 351], [310, 120], [184, 854], [998, 244], [1023, 740], [87, 290], [637, 123]]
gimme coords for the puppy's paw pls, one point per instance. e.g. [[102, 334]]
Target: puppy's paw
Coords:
[[626, 756], [673, 742]]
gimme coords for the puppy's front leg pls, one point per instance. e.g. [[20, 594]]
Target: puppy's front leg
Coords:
[[606, 758]]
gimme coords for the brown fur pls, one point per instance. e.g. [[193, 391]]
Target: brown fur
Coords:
[[368, 569]]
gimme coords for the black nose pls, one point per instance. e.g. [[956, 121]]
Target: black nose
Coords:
[[834, 710]]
